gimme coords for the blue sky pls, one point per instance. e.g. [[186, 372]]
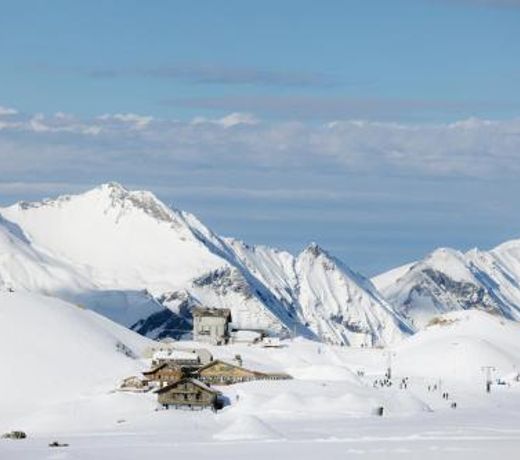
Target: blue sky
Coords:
[[381, 129]]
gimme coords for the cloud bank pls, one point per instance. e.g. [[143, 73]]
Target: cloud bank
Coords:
[[240, 141]]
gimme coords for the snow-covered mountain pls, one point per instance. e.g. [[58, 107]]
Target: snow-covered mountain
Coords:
[[336, 303], [449, 280], [130, 257], [343, 305]]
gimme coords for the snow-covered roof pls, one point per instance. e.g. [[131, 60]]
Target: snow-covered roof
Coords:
[[183, 355], [246, 335], [196, 382], [161, 354], [216, 312], [175, 355]]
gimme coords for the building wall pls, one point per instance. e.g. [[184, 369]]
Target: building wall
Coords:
[[221, 373], [166, 375], [187, 394], [210, 329]]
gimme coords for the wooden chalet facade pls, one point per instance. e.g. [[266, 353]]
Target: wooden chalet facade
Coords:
[[190, 394], [164, 374], [221, 373]]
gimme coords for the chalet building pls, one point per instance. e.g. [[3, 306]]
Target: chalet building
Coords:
[[211, 325], [221, 373], [164, 374], [190, 394]]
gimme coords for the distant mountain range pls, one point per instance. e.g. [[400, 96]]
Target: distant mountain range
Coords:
[[145, 265], [449, 280]]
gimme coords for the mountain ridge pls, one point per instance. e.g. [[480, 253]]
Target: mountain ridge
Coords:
[[450, 280], [129, 245]]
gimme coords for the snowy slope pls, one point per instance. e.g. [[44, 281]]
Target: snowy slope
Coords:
[[449, 280], [500, 272], [24, 267], [458, 344], [386, 279], [342, 305], [52, 351], [147, 265]]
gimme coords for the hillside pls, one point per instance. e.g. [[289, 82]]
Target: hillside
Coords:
[[52, 352], [457, 345]]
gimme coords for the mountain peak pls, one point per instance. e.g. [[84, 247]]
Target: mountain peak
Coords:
[[112, 187], [314, 249], [120, 196], [445, 252]]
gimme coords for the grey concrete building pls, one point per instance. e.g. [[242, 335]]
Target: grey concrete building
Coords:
[[211, 325]]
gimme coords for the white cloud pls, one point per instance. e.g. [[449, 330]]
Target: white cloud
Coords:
[[5, 111], [228, 121], [471, 147], [132, 119], [58, 123]]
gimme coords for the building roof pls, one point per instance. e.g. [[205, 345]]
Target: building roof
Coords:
[[213, 312], [247, 335], [280, 375], [195, 382], [183, 355], [159, 367], [218, 361], [176, 355]]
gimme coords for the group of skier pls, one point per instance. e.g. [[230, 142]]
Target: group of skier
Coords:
[[403, 385]]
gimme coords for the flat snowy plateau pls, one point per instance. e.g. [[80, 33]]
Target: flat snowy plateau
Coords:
[[60, 365]]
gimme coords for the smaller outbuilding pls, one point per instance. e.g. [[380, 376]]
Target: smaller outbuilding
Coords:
[[134, 384], [191, 394], [246, 336]]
